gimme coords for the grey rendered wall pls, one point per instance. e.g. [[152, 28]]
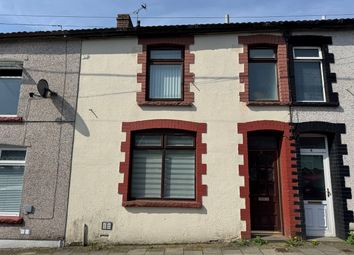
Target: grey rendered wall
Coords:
[[46, 131], [343, 50]]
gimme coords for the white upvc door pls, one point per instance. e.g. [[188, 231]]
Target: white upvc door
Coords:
[[317, 190]]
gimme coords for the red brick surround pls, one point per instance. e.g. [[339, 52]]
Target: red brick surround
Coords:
[[201, 190], [11, 220], [10, 119], [188, 96], [288, 186], [282, 67]]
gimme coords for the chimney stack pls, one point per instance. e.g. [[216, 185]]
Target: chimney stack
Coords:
[[124, 21]]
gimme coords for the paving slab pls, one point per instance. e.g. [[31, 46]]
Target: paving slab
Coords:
[[212, 251], [137, 252], [62, 252], [174, 251], [231, 251], [251, 250], [117, 253], [267, 251], [192, 252], [327, 248], [103, 252], [311, 251], [155, 252]]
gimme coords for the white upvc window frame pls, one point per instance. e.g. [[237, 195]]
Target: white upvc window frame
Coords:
[[309, 135], [10, 77], [11, 163], [318, 59]]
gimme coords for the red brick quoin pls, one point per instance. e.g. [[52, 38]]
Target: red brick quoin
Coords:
[[288, 178], [201, 190], [282, 66], [188, 96]]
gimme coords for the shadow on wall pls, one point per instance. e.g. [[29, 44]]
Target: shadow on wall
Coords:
[[66, 111], [167, 210]]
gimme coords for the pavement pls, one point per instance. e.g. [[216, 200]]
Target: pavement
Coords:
[[337, 248]]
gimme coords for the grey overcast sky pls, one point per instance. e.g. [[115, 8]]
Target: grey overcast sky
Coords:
[[160, 12]]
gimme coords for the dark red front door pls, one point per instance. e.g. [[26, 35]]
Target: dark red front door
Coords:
[[264, 195]]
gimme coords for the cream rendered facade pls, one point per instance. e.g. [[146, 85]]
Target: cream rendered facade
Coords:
[[107, 98]]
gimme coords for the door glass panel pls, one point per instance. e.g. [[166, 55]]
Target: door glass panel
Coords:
[[313, 177]]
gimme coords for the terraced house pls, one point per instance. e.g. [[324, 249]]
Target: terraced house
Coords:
[[36, 137], [193, 133], [213, 132]]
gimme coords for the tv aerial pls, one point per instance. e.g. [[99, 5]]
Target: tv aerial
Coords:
[[136, 12], [43, 90]]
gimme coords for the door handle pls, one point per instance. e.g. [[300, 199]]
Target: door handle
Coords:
[[328, 193]]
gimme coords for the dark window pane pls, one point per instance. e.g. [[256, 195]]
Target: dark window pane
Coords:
[[313, 177], [312, 143], [166, 54], [179, 140], [165, 81], [262, 53], [13, 155], [307, 53], [179, 174], [263, 81], [257, 141], [148, 140], [308, 81], [9, 95], [146, 174], [11, 72]]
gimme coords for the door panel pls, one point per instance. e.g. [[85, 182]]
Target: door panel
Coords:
[[316, 219], [316, 194], [264, 198]]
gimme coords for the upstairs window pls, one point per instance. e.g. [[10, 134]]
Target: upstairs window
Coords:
[[12, 165], [165, 74], [163, 165], [308, 74], [262, 71], [10, 84]]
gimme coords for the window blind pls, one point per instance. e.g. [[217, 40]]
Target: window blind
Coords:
[[146, 174], [165, 81], [11, 179], [179, 174]]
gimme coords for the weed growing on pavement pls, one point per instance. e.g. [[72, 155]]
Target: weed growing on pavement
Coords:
[[315, 242], [295, 242], [350, 239], [259, 241]]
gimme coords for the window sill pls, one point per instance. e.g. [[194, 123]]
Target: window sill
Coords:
[[163, 203], [324, 104], [165, 103], [11, 220], [265, 103], [10, 119]]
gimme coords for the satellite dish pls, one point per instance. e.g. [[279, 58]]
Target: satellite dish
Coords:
[[43, 89]]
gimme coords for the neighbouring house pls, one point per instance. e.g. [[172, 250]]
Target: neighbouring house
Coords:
[[36, 136], [214, 132]]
